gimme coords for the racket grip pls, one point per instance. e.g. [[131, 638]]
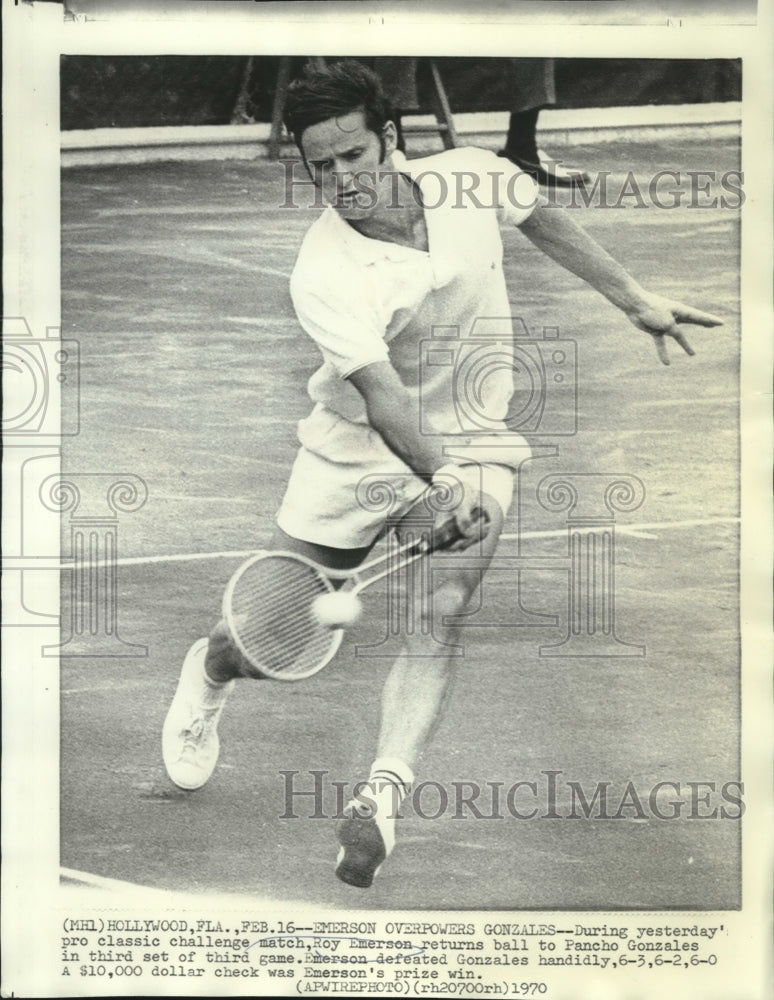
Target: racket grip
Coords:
[[449, 532]]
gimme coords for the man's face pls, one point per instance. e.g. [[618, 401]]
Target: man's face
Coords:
[[349, 163]]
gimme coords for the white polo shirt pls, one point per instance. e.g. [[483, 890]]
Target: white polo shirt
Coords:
[[441, 317]]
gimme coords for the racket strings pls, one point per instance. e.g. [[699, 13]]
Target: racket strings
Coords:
[[272, 619], [269, 609]]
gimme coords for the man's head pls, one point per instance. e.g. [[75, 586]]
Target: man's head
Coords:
[[334, 91], [338, 117]]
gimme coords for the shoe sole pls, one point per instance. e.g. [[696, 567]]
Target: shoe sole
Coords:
[[541, 172], [362, 851]]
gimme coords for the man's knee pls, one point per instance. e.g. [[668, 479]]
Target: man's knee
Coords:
[[434, 617], [451, 597]]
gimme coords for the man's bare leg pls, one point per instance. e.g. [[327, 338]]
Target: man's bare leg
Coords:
[[418, 685], [413, 700]]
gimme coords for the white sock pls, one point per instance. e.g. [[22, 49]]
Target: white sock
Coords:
[[388, 784], [395, 771], [211, 691]]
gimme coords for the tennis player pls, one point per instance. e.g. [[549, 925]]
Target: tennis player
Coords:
[[401, 249]]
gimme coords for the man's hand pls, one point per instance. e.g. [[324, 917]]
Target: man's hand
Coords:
[[557, 234], [660, 318], [468, 514]]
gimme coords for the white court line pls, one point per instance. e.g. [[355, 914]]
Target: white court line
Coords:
[[78, 880], [98, 882], [633, 530]]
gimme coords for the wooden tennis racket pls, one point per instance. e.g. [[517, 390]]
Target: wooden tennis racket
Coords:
[[269, 603]]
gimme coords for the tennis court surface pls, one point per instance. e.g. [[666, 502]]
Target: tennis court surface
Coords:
[[193, 374]]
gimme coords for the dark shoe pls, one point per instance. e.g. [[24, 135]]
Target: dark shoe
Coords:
[[548, 172], [362, 848]]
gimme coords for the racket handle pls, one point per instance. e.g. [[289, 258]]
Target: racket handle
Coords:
[[449, 532]]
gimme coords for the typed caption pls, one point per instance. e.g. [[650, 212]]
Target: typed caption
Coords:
[[517, 956]]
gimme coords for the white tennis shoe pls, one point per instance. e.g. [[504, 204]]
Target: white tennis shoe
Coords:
[[190, 743]]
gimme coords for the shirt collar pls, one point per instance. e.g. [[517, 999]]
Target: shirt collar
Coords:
[[363, 248]]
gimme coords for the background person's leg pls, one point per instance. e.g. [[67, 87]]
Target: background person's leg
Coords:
[[533, 84], [533, 87]]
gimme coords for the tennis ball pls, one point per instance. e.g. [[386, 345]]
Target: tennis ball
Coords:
[[337, 609]]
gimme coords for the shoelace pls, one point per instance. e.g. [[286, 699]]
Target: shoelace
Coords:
[[196, 733]]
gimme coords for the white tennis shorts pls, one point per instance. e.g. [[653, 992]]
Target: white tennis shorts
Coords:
[[346, 484]]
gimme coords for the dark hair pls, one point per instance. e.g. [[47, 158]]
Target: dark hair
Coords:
[[332, 91]]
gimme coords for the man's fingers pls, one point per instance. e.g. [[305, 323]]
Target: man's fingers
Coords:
[[466, 539], [469, 519], [658, 340], [464, 523], [474, 527], [661, 347], [662, 322], [479, 523], [684, 343], [685, 314]]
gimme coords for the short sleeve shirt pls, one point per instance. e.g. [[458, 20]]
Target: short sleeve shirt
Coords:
[[431, 314]]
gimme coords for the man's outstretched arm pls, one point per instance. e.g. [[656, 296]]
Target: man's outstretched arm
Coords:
[[557, 234]]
